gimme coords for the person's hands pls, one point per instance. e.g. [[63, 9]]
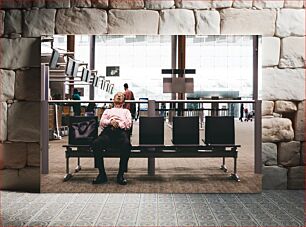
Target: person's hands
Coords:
[[114, 123]]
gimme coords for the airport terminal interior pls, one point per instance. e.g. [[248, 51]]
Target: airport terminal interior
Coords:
[[176, 174], [183, 83]]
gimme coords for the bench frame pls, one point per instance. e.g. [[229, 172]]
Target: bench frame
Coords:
[[159, 151]]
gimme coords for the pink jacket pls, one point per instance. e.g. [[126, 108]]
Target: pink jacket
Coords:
[[122, 115]]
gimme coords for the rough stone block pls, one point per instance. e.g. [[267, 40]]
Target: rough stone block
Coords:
[[144, 22], [55, 4], [99, 3], [33, 158], [177, 22], [13, 22], [27, 85], [80, 3], [126, 4], [13, 155], [289, 154], [290, 22], [267, 108], [7, 83], [222, 3], [293, 52], [262, 4], [269, 154], [24, 122], [3, 121], [2, 16], [20, 53], [296, 178], [274, 178], [191, 4], [39, 4], [208, 22], [240, 4], [15, 4], [270, 51], [299, 122], [277, 130], [38, 22], [248, 22], [285, 107], [293, 3], [159, 4], [81, 21], [283, 84], [26, 180]]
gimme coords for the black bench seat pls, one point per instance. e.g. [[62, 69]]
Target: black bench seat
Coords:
[[82, 131], [157, 151]]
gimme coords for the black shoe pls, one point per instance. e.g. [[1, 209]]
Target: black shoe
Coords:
[[121, 180], [101, 179]]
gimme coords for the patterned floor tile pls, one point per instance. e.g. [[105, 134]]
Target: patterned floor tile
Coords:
[[270, 208], [207, 223], [38, 223]]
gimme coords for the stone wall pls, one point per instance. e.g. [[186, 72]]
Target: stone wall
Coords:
[[280, 22]]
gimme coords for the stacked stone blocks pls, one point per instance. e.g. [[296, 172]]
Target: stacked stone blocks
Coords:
[[281, 23]]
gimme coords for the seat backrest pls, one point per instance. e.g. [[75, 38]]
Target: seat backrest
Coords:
[[185, 130], [219, 130], [151, 130], [82, 130]]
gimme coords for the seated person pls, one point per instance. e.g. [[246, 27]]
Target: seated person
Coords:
[[90, 109], [115, 124]]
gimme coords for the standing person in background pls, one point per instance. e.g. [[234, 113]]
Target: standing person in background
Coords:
[[246, 112], [163, 110], [129, 95], [241, 112], [76, 106]]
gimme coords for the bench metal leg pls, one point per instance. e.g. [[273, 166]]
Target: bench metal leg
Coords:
[[78, 167], [151, 166], [234, 175], [68, 175], [223, 166]]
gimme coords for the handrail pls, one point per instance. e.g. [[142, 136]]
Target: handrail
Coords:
[[159, 101]]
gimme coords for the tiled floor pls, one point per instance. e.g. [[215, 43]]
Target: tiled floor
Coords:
[[270, 208]]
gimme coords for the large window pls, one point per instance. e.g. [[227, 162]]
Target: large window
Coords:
[[140, 60], [222, 63]]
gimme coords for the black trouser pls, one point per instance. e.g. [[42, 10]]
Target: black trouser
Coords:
[[109, 138]]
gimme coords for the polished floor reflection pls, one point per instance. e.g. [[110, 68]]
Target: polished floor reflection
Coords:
[[270, 208]]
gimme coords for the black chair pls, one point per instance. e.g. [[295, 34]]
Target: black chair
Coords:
[[185, 130], [151, 130], [219, 130], [82, 130]]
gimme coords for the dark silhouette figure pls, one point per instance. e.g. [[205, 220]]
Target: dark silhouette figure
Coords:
[[76, 106], [90, 109], [241, 112]]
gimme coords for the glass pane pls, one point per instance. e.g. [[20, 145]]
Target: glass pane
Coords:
[[222, 63], [140, 60]]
